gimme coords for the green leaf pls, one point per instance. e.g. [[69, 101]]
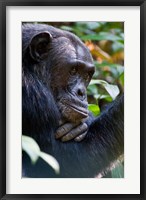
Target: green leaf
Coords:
[[106, 97], [122, 79], [51, 161], [31, 148], [118, 172], [101, 36], [113, 90], [117, 46], [92, 89], [94, 109], [67, 28], [93, 25]]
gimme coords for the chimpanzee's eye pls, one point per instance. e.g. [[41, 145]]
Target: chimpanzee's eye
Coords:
[[73, 71], [87, 77]]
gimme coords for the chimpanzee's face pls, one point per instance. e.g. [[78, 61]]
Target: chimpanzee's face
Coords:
[[69, 68]]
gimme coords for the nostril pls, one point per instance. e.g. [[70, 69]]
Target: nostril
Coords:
[[80, 93]]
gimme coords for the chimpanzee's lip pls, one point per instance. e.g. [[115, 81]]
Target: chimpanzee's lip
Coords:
[[81, 110]]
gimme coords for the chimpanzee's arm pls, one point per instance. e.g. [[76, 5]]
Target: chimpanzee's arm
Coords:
[[103, 145], [106, 134]]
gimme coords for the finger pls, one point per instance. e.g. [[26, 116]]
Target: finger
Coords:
[[75, 132], [61, 122], [64, 129], [80, 137]]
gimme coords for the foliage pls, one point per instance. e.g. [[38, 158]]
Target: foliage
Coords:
[[30, 146], [94, 109]]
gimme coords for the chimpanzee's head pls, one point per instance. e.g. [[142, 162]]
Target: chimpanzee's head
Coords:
[[63, 63]]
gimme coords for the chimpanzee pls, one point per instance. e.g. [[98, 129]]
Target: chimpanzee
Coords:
[[56, 70]]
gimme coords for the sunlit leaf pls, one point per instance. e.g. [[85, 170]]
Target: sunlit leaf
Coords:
[[106, 97], [94, 109], [31, 148], [51, 161], [113, 90]]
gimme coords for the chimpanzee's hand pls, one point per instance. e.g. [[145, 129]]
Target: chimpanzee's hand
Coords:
[[68, 131]]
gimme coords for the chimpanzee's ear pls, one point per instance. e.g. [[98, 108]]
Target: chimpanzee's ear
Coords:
[[39, 46]]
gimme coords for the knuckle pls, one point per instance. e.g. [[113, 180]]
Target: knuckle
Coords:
[[68, 126], [80, 137], [83, 127], [67, 137], [63, 129], [58, 132], [71, 135]]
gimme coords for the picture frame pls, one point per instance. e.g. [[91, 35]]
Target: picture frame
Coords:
[[3, 100]]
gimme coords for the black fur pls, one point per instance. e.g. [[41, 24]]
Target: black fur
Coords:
[[103, 144]]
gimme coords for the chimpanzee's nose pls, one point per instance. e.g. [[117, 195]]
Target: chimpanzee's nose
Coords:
[[81, 93]]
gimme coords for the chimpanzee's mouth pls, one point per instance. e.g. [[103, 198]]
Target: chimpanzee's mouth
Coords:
[[83, 111]]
